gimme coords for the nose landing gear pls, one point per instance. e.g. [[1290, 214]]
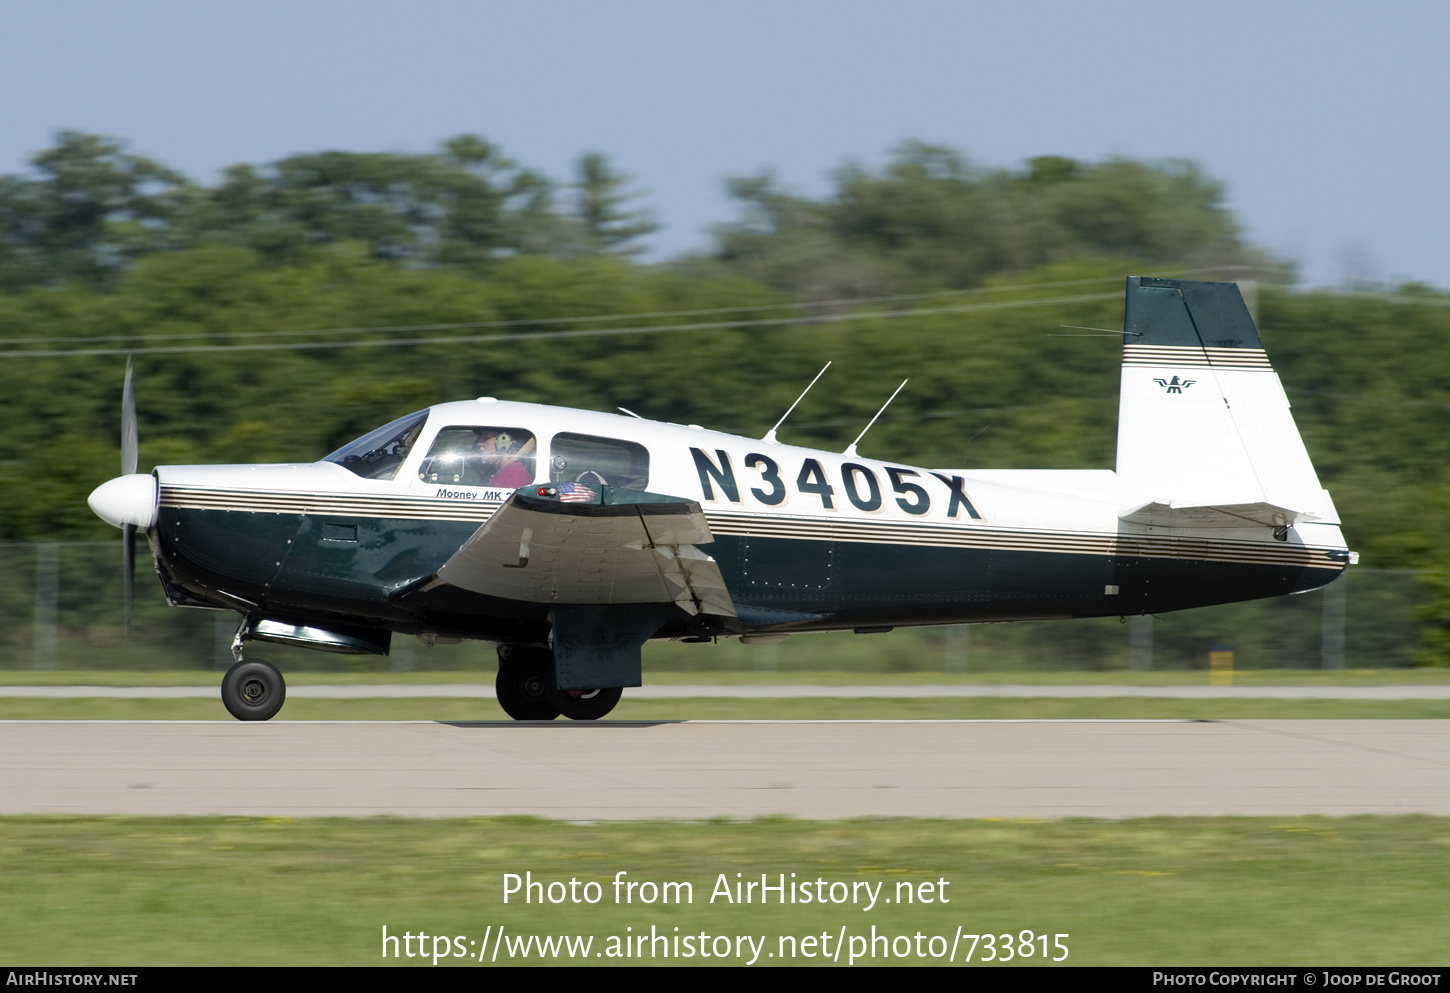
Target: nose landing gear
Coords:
[[253, 690]]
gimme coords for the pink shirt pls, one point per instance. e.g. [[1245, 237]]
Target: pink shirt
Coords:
[[512, 476]]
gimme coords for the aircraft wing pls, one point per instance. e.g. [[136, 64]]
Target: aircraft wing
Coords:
[[545, 551], [1173, 514]]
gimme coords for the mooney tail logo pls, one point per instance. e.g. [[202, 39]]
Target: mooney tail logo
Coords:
[[1175, 385]]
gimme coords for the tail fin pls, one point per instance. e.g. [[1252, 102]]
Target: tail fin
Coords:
[[1205, 436]]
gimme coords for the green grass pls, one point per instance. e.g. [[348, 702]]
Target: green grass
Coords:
[[698, 708], [271, 891], [484, 673], [452, 709]]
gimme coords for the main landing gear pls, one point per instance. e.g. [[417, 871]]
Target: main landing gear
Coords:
[[522, 683], [527, 691]]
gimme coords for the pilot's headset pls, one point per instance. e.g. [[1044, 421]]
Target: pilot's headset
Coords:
[[505, 443]]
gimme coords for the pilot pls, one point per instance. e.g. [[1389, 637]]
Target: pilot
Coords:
[[502, 457]]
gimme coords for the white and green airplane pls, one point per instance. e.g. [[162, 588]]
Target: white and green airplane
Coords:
[[569, 538]]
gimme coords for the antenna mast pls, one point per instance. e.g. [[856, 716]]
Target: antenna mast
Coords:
[[770, 435], [851, 449]]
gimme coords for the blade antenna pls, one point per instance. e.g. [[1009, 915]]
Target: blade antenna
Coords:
[[851, 449], [770, 435]]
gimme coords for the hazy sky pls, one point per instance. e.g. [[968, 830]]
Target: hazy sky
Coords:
[[1326, 120]]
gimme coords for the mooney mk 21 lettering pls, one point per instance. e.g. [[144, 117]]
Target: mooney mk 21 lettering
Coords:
[[570, 538]]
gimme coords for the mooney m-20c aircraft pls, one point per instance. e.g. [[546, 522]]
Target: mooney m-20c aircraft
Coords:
[[570, 538]]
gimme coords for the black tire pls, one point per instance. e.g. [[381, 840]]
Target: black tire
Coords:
[[253, 690], [522, 683], [583, 705]]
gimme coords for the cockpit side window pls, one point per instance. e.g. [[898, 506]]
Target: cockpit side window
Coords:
[[583, 458], [481, 456], [378, 454]]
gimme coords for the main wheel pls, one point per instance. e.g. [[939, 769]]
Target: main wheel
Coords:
[[522, 683], [253, 690], [583, 705]]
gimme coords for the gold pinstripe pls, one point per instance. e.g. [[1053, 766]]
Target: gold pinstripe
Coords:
[[1194, 356], [987, 539], [397, 508]]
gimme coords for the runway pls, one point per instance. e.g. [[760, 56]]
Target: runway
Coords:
[[739, 769]]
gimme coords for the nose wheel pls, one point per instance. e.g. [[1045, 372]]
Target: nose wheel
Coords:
[[253, 690]]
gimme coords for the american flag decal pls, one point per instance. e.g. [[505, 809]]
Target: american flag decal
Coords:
[[575, 493]]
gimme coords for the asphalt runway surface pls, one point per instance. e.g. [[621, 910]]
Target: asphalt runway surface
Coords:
[[740, 769]]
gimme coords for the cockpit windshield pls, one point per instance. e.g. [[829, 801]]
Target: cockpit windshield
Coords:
[[378, 454]]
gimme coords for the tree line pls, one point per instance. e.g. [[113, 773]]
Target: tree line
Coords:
[[90, 208], [222, 294]]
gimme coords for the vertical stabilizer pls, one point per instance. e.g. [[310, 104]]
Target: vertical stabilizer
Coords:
[[1203, 419]]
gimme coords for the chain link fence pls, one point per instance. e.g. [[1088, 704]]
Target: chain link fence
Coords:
[[63, 604]]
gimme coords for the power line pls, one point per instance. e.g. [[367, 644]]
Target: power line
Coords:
[[932, 415], [522, 322], [643, 315], [769, 322], [1369, 397], [1433, 301], [1439, 300]]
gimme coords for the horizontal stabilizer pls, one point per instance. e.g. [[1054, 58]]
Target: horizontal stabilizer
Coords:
[[1175, 514], [546, 551]]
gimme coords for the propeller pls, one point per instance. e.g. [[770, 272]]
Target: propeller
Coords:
[[129, 455], [131, 500]]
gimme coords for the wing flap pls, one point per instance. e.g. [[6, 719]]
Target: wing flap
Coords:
[[545, 551]]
